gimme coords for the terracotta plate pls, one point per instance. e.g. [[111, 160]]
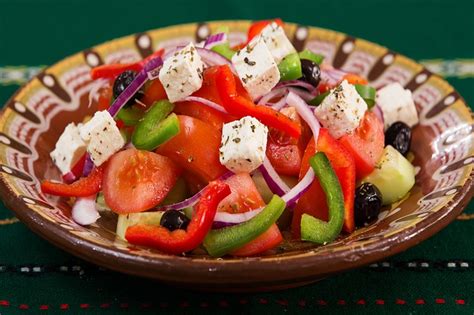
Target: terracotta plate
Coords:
[[36, 115]]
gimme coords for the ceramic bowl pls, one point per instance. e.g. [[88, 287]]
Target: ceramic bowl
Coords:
[[37, 113]]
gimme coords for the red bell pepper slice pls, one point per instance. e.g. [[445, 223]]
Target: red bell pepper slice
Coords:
[[113, 70], [181, 241], [313, 201], [83, 187], [257, 27], [239, 106]]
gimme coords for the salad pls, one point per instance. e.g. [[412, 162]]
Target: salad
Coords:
[[223, 148]]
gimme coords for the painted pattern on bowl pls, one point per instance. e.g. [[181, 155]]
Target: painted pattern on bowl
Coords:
[[36, 115]]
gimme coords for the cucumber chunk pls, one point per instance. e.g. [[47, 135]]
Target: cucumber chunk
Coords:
[[394, 176]]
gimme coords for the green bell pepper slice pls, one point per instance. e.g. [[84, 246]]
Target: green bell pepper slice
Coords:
[[318, 99], [309, 55], [155, 128], [130, 115], [367, 93], [290, 67], [315, 230], [223, 241]]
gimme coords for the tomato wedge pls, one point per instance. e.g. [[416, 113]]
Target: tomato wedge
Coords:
[[154, 92], [285, 152], [366, 144], [195, 148], [313, 201], [136, 181], [245, 197]]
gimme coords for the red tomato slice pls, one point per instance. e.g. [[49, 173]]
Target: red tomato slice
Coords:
[[258, 26], [266, 241], [203, 112], [154, 92], [245, 197], [285, 152], [136, 181], [313, 201], [195, 148], [366, 144]]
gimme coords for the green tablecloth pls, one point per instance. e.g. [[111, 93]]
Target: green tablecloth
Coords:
[[436, 276]]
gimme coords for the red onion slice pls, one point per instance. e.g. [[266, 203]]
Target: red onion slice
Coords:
[[271, 95], [69, 178], [139, 80], [331, 75], [273, 180], [378, 112], [88, 165], [295, 83], [235, 218], [306, 96], [206, 102], [280, 104], [215, 39], [84, 211], [211, 58], [191, 201]]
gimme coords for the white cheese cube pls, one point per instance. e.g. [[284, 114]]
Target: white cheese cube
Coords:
[[69, 149], [102, 136], [342, 110], [275, 38], [243, 144], [397, 104], [181, 74], [256, 68]]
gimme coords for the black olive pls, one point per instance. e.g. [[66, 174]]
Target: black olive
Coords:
[[367, 204], [174, 220], [311, 72], [122, 82], [398, 135]]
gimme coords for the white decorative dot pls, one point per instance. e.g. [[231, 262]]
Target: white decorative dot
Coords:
[[20, 107], [4, 140], [7, 170], [28, 200], [385, 264], [348, 47], [451, 264], [449, 100], [424, 265], [203, 32], [144, 41], [92, 60], [36, 269], [421, 78], [25, 269], [388, 59], [464, 264], [301, 33], [48, 80], [451, 191], [373, 265], [468, 161], [63, 268], [412, 264]]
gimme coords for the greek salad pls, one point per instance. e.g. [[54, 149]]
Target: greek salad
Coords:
[[223, 148]]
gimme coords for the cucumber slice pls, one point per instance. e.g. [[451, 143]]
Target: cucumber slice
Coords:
[[394, 176], [126, 220]]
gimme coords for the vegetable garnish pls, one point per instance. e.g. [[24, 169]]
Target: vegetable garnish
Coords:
[[315, 230], [156, 127], [222, 241], [180, 241], [239, 106], [84, 187]]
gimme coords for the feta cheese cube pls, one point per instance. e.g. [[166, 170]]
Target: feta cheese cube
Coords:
[[69, 149], [102, 136], [397, 104], [243, 144], [275, 38], [342, 110], [181, 74], [256, 68]]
